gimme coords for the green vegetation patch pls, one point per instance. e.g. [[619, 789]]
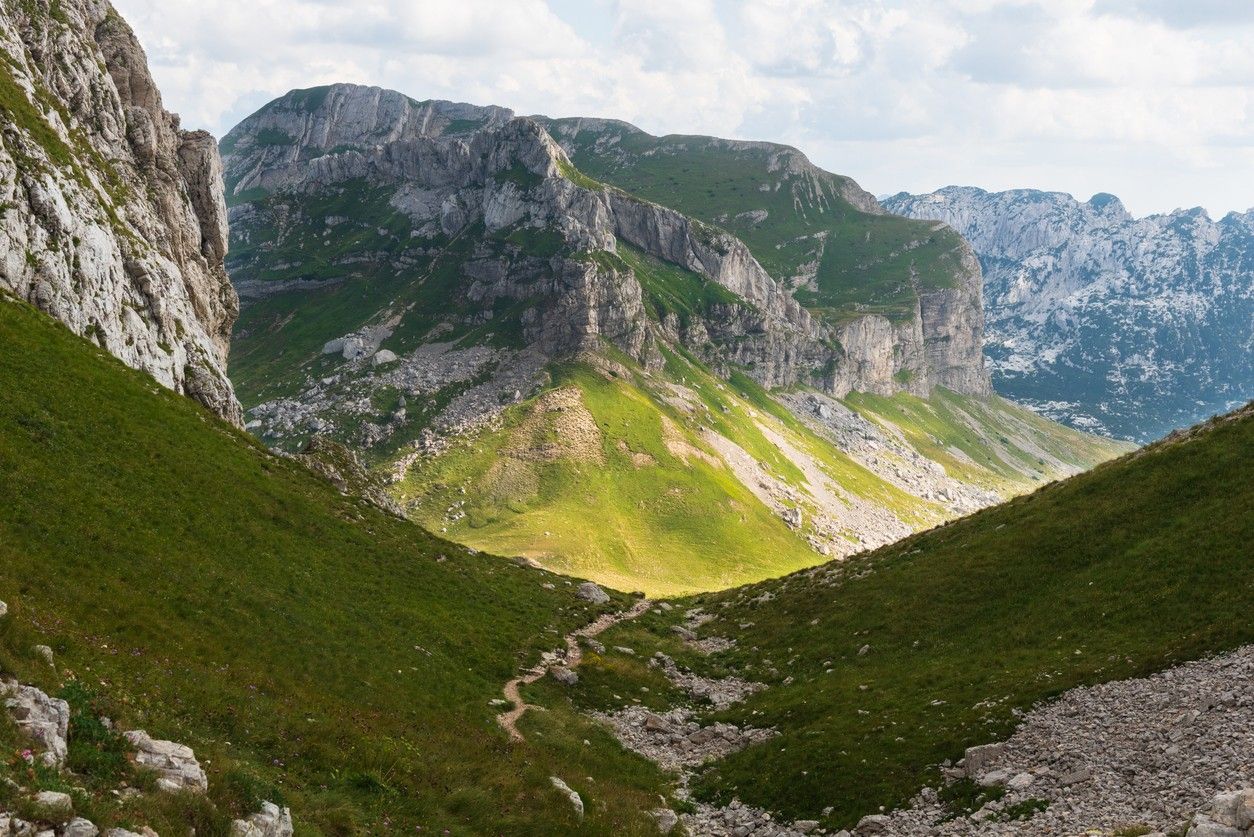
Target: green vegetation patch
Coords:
[[670, 289]]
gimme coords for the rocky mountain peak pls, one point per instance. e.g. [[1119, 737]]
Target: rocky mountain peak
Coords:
[[114, 218], [1129, 326]]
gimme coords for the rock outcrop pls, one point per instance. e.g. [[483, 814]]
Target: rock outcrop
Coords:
[[175, 764], [45, 720], [112, 217], [271, 821], [1107, 322]]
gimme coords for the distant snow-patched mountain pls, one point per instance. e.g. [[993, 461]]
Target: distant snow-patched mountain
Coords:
[[1110, 323]]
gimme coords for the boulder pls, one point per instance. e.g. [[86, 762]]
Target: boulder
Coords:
[[175, 764], [563, 675], [590, 592], [272, 821], [45, 720], [805, 826], [1075, 777], [993, 777], [575, 800], [4, 610], [55, 804], [1234, 808], [44, 653], [666, 820], [79, 827], [1206, 827], [977, 759], [383, 356], [872, 824], [1021, 781]]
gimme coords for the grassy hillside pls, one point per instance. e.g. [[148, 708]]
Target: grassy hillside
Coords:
[[650, 481], [1127, 569], [312, 649], [796, 219]]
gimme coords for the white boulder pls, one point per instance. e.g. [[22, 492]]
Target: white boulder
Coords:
[[44, 719], [175, 764]]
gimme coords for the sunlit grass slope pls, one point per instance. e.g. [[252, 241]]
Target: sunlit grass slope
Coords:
[[650, 480]]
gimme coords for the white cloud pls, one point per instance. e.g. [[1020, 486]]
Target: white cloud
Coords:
[[1143, 98]]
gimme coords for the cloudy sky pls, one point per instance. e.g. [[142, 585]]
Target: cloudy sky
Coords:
[[1152, 100]]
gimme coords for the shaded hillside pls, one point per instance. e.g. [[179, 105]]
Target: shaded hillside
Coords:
[[312, 649]]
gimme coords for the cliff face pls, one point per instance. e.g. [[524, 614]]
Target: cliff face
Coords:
[[113, 217], [898, 300], [1107, 322]]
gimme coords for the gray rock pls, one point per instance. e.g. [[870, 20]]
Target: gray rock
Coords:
[[78, 827], [576, 801], [1020, 781], [44, 653], [805, 826], [271, 821], [383, 356], [872, 824], [55, 802], [666, 820], [4, 610], [563, 675], [590, 592], [976, 760], [175, 764], [993, 778], [45, 720], [1234, 808], [1075, 777], [1205, 827]]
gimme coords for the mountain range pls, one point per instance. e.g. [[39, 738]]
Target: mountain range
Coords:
[[1124, 326], [621, 356]]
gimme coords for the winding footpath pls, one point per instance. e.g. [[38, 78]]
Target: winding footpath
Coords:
[[574, 655]]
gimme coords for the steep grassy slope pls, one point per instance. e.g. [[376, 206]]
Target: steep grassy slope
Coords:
[[676, 481], [1121, 571], [312, 649], [811, 228]]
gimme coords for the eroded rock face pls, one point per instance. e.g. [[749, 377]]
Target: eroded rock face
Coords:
[[114, 220], [46, 720]]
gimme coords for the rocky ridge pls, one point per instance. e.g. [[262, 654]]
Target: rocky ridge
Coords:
[[1122, 325], [112, 217]]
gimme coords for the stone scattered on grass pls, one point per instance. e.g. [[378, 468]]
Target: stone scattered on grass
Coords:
[[576, 801], [175, 764]]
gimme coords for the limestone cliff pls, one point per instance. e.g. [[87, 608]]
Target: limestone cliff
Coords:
[[113, 217]]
